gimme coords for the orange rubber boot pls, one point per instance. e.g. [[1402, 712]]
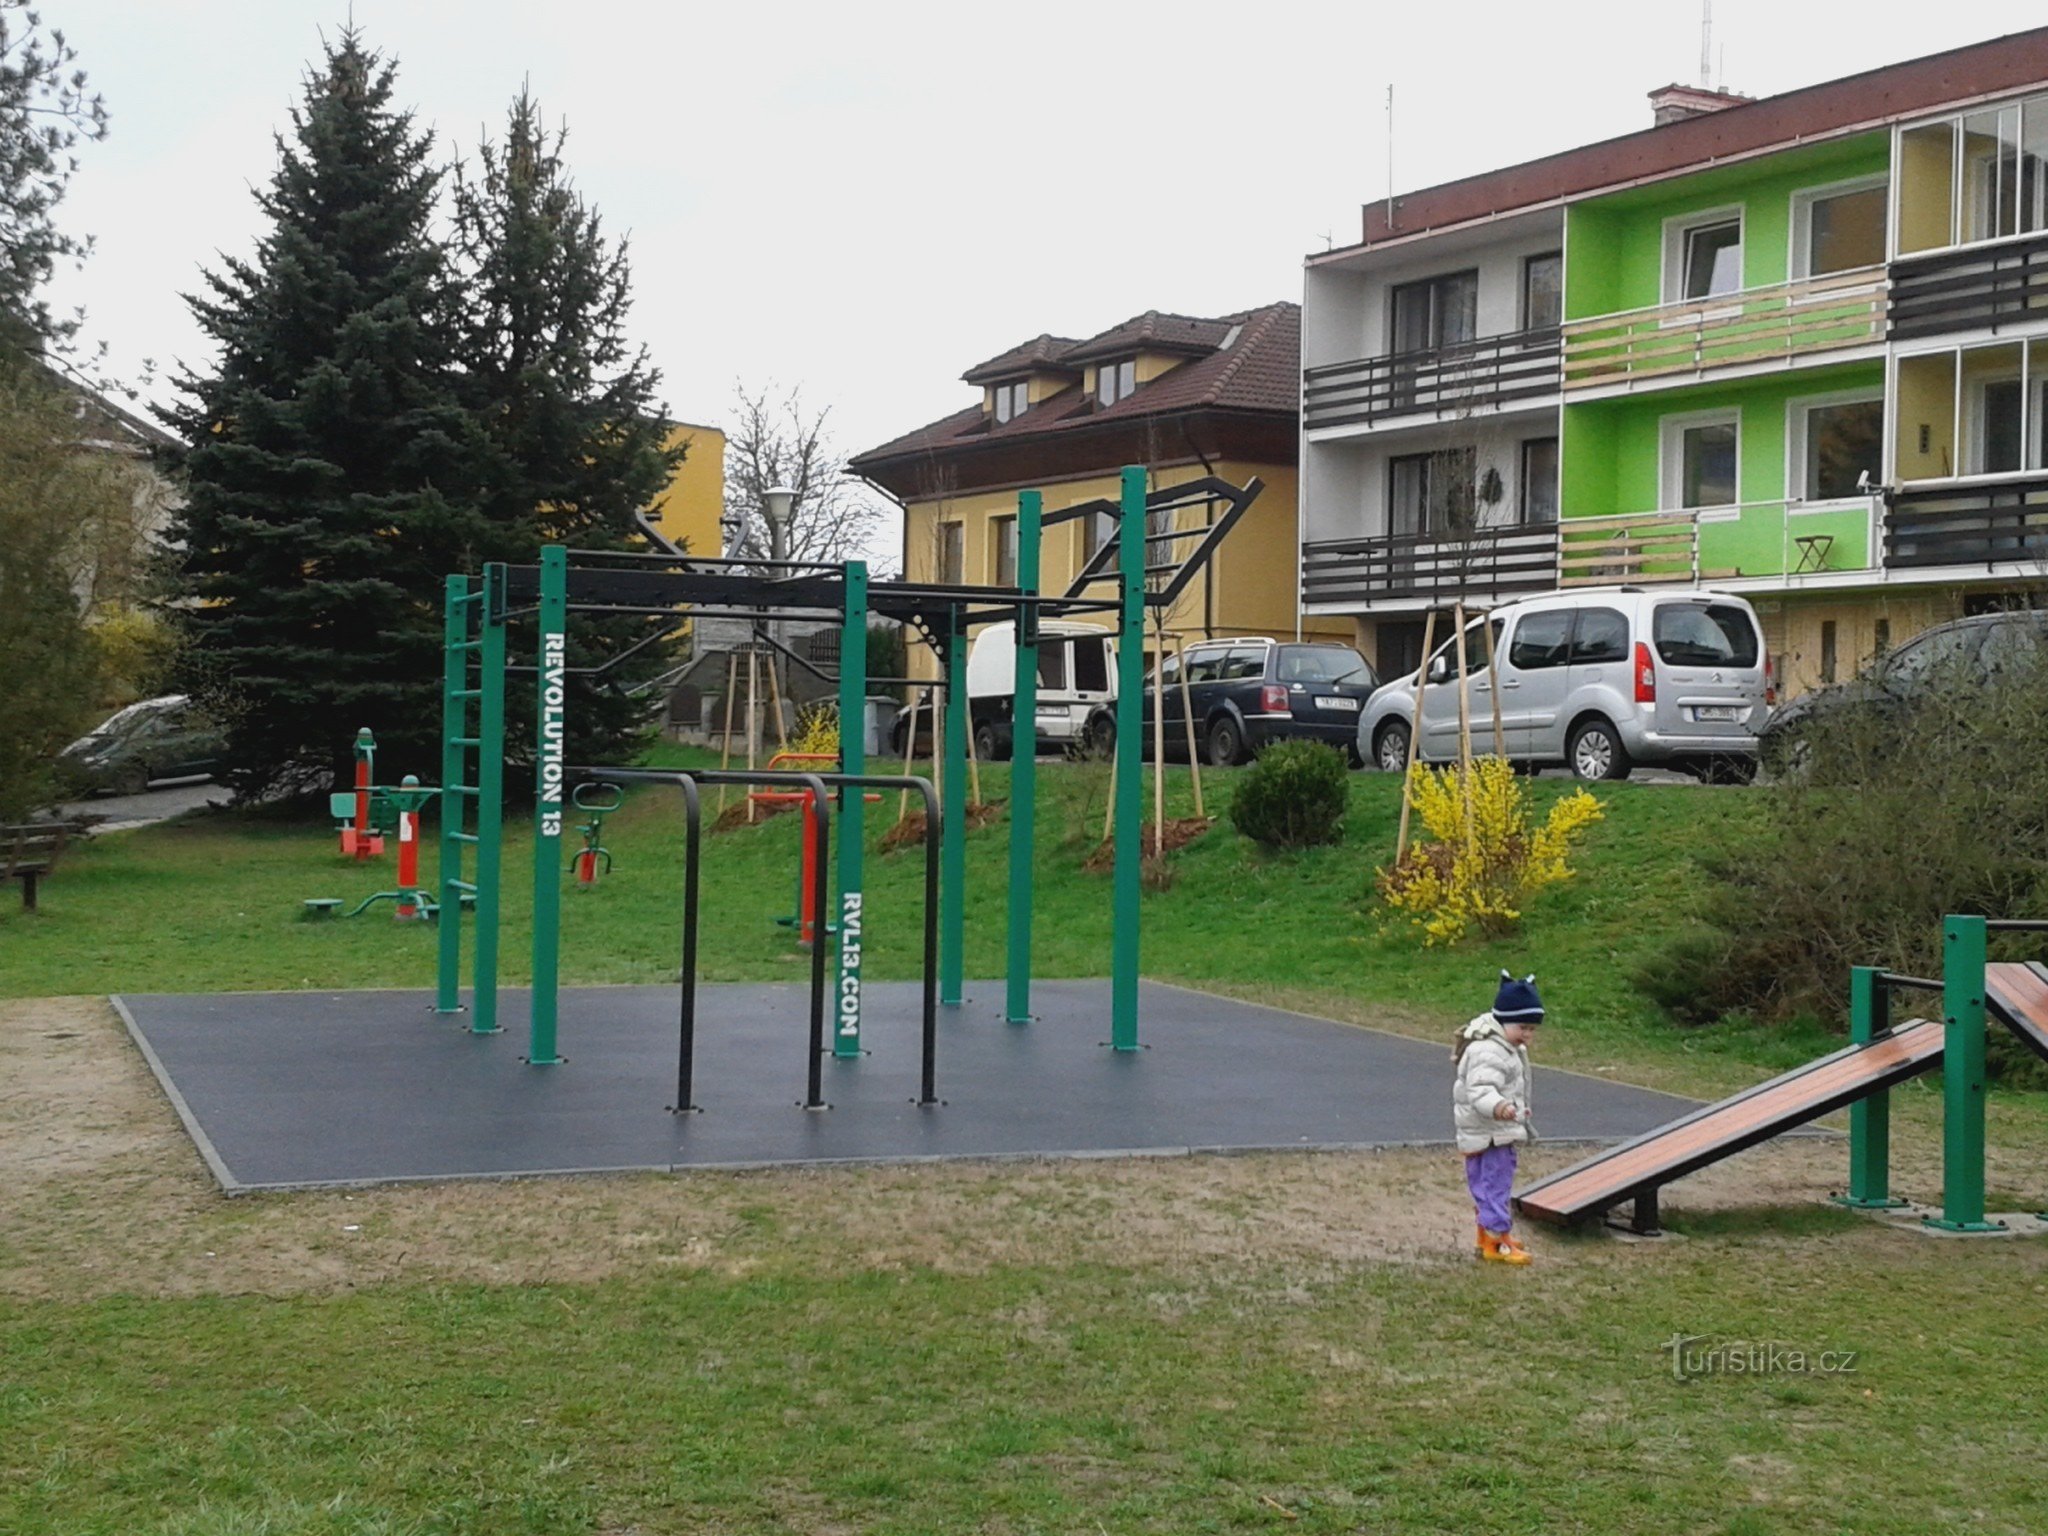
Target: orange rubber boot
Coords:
[[1502, 1249], [1482, 1244]]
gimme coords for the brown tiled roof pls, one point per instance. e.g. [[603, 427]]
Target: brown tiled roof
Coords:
[[1154, 332], [1259, 372], [1040, 351], [1854, 103]]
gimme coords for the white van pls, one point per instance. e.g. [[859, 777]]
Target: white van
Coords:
[[1599, 679], [1076, 672]]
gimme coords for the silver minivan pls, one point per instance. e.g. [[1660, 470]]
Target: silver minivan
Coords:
[[1601, 679]]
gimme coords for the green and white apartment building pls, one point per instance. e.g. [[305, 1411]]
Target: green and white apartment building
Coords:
[[1795, 348]]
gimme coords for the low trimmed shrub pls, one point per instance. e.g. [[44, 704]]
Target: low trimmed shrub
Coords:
[[1292, 796]]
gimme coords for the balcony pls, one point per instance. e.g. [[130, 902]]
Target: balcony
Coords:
[[1508, 561], [1754, 327], [1977, 288], [1996, 523], [1461, 377]]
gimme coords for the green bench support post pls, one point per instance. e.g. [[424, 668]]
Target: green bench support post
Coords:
[[490, 798], [1023, 763], [1962, 1078], [853, 709], [953, 820], [553, 680], [1870, 1119], [1130, 760]]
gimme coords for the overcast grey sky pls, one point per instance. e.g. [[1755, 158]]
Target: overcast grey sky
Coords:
[[865, 199]]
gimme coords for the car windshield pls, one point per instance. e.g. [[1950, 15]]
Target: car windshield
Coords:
[[135, 719], [1322, 664], [1704, 635]]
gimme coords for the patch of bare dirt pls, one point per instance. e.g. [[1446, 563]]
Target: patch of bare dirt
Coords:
[[737, 814], [107, 1195], [1158, 842], [909, 832]]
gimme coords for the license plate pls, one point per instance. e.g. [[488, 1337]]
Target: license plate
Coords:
[[1337, 703], [1717, 712]]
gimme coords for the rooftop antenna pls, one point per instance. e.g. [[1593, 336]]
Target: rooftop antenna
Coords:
[[1706, 44], [1390, 154]]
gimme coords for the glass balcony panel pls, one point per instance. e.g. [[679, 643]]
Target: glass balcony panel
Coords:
[[1994, 409], [1926, 187], [1926, 411]]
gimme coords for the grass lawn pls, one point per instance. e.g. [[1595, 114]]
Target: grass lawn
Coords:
[[1219, 1344]]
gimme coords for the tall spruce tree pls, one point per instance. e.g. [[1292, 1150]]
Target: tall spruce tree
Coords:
[[331, 461], [565, 402]]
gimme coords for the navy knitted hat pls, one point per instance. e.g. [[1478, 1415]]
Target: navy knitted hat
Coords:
[[1516, 1002]]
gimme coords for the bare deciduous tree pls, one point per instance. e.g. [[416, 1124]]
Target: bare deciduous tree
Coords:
[[774, 441]]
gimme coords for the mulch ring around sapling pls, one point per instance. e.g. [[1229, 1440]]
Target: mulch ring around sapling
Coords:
[[735, 815], [909, 832], [1177, 834]]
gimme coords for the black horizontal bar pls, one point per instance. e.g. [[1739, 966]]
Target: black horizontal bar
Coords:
[[1894, 979], [2017, 924]]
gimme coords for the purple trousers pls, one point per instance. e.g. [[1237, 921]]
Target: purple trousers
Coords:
[[1490, 1175]]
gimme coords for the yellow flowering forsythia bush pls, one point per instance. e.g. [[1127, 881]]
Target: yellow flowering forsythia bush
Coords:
[[1477, 874], [817, 729]]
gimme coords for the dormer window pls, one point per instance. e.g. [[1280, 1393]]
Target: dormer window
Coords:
[[1011, 400], [1115, 381]]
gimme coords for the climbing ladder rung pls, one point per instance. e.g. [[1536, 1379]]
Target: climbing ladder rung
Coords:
[[462, 837], [461, 789], [465, 741], [460, 885], [466, 693], [471, 597], [465, 645]]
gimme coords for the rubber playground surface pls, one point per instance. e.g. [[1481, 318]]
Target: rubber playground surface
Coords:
[[284, 1090]]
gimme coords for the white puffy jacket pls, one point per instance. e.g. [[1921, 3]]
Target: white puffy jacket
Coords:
[[1489, 1072]]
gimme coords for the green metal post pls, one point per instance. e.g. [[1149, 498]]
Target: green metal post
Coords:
[[1962, 1078], [547, 820], [1130, 761], [853, 759], [490, 799], [1023, 762], [455, 617], [1870, 1119], [953, 820]]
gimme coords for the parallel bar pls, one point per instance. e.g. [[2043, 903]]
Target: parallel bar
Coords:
[[1023, 766], [1869, 1118]]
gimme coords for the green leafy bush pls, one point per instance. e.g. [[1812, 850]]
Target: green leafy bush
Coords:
[[1292, 796]]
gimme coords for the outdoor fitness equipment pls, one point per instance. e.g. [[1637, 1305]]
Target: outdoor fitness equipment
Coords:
[[660, 585], [356, 811], [412, 901], [596, 800]]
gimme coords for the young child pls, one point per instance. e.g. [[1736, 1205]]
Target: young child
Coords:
[[1490, 1108]]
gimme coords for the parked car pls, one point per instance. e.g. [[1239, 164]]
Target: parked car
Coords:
[[164, 738], [1076, 673], [1963, 650], [1243, 693], [1601, 679]]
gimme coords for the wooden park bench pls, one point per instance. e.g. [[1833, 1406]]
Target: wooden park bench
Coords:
[[29, 851]]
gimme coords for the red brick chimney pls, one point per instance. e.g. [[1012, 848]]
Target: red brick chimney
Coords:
[[1671, 103]]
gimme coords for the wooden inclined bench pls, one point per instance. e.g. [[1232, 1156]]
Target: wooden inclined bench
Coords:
[[29, 851]]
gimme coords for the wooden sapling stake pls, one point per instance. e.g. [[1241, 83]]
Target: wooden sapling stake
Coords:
[[732, 687], [1500, 738], [1414, 733]]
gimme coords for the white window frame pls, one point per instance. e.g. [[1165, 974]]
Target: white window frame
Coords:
[[1671, 432], [2033, 400], [1675, 230], [1800, 259], [2037, 100], [1796, 445], [1965, 421], [1017, 394]]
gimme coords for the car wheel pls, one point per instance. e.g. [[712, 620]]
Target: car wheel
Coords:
[[1390, 748], [985, 746], [1596, 752], [1226, 743], [1101, 736]]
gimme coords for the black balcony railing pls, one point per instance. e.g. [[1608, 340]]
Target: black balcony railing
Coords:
[[1519, 558], [1996, 524], [1465, 375], [1970, 289]]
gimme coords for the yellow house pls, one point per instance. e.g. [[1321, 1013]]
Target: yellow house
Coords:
[[1183, 395], [689, 510]]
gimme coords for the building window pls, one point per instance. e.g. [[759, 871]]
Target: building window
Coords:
[[1430, 493], [952, 554], [1436, 312], [1976, 176], [1539, 480], [1004, 531], [1543, 291], [1702, 461], [1703, 256], [1972, 411], [1097, 529], [1837, 447], [1116, 381], [1838, 228], [1011, 400]]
